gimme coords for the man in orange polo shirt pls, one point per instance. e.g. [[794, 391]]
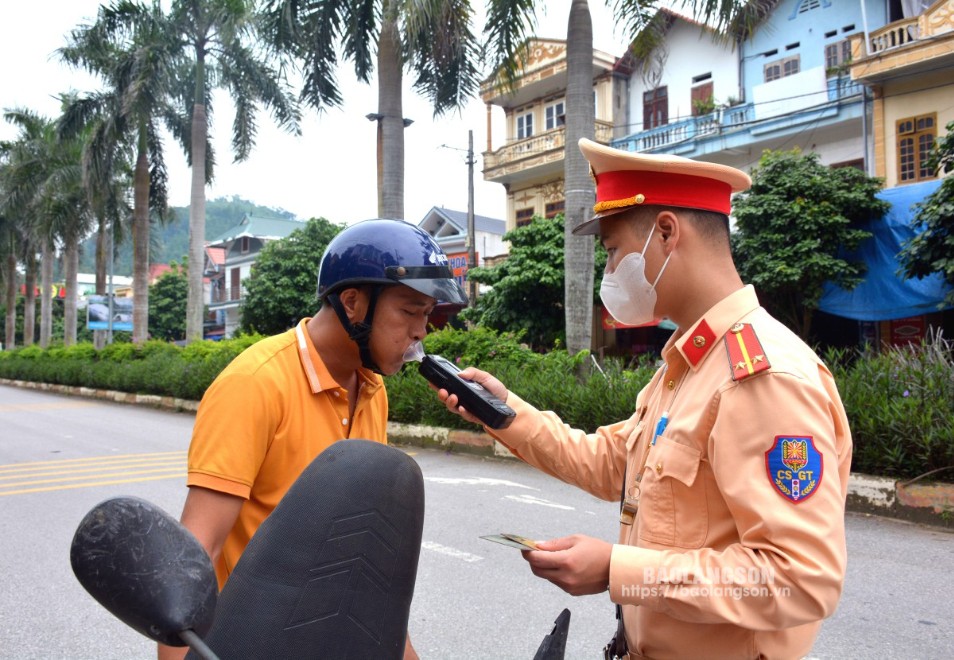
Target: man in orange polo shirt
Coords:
[[732, 472], [288, 397]]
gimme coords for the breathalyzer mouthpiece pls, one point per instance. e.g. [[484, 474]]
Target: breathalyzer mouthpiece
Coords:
[[414, 352]]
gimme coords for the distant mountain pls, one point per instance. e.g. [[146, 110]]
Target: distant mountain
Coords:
[[171, 242]]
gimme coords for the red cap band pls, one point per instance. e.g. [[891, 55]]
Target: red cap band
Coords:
[[614, 189]]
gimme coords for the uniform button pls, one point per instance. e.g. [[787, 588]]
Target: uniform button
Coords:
[[699, 341], [671, 384], [659, 468], [337, 393], [344, 421]]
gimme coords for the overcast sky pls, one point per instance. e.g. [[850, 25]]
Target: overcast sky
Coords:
[[330, 170]]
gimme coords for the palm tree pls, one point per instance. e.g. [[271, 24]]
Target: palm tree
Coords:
[[580, 192], [17, 237], [434, 39], [9, 244], [44, 182], [129, 47], [218, 38]]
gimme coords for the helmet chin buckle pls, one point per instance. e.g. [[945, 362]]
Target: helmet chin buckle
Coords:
[[359, 332]]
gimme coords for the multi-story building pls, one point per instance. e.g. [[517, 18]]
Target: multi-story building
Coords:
[[530, 163], [241, 243], [907, 67], [802, 79], [708, 97]]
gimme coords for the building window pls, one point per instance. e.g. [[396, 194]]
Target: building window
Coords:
[[703, 102], [655, 108], [916, 137], [524, 216], [555, 115], [554, 208], [837, 54], [235, 284], [524, 125], [782, 68], [244, 244], [807, 5]]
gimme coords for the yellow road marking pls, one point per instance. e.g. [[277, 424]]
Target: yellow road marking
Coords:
[[89, 460], [176, 470], [101, 483], [43, 470], [71, 473]]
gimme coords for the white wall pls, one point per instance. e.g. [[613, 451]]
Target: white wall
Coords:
[[692, 53]]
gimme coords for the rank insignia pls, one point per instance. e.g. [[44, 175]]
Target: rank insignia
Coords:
[[746, 357], [794, 467]]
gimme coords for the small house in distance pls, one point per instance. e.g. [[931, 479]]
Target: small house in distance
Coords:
[[449, 229], [241, 244]]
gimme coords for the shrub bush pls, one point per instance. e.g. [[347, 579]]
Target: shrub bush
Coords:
[[900, 403], [900, 406]]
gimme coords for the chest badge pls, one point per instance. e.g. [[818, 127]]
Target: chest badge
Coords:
[[794, 467]]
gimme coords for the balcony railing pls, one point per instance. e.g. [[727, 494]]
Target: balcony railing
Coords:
[[535, 145], [725, 120], [227, 294], [894, 35]]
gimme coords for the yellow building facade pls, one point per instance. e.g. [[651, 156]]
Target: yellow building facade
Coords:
[[530, 162]]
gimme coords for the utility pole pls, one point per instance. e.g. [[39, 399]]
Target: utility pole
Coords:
[[109, 285], [471, 238]]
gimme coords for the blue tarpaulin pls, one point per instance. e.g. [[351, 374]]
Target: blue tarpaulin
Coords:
[[884, 295]]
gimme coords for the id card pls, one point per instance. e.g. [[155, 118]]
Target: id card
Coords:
[[513, 541]]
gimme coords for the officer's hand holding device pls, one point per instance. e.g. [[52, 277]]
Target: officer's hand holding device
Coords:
[[483, 405]]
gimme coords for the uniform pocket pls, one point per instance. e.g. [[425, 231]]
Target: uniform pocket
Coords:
[[673, 509]]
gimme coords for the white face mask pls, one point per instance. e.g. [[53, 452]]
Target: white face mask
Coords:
[[626, 293]]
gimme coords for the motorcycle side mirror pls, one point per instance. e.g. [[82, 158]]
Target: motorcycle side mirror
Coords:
[[148, 570], [553, 646]]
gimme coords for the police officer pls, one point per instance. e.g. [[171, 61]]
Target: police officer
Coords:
[[288, 397], [732, 472]]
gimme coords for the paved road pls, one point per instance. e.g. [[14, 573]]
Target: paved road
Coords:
[[59, 456]]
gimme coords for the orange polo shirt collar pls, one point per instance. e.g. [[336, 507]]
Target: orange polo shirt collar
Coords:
[[319, 379]]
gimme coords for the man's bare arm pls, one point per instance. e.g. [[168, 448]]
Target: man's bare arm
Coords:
[[209, 515]]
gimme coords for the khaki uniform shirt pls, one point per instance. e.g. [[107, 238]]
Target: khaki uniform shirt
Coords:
[[737, 544]]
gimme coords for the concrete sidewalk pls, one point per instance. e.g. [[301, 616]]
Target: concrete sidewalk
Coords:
[[922, 501]]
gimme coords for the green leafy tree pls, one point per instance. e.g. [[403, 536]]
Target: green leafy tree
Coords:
[[795, 225], [167, 304], [932, 249], [282, 287], [527, 293]]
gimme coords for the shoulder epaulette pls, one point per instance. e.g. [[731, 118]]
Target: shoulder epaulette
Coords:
[[746, 357]]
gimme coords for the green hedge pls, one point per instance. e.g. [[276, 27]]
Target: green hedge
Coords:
[[155, 367], [900, 406], [900, 403]]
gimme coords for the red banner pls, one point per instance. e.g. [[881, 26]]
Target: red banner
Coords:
[[907, 331]]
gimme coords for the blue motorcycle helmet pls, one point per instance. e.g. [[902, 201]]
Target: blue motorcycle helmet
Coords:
[[383, 253]]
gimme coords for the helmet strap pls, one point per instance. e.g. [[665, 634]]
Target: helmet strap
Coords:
[[359, 332]]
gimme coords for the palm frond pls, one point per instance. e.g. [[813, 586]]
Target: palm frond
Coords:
[[509, 27]]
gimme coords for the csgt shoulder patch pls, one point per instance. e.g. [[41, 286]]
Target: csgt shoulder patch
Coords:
[[746, 357], [794, 467]]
